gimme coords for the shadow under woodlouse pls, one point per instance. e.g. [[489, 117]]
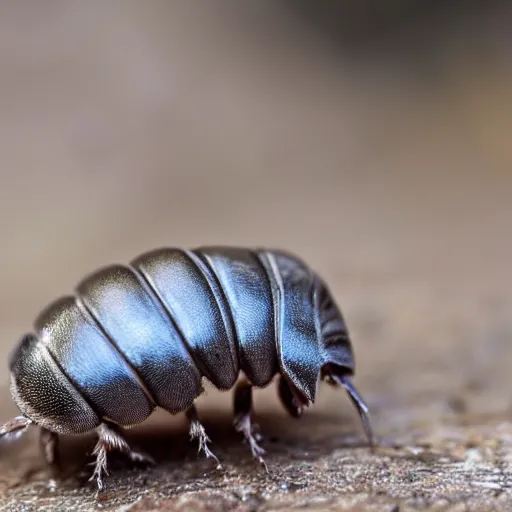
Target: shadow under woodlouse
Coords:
[[169, 444]]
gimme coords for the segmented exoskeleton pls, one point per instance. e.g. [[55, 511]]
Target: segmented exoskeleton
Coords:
[[144, 335]]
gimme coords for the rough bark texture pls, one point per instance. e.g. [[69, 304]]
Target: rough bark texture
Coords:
[[383, 158]]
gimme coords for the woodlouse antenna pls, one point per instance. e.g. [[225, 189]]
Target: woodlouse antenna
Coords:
[[14, 428], [360, 404]]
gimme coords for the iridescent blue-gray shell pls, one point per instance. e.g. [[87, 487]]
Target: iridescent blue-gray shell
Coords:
[[139, 336]]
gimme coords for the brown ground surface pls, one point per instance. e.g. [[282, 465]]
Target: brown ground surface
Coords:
[[384, 161]]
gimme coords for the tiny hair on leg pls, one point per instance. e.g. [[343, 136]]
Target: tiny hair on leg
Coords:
[[15, 427], [243, 420]]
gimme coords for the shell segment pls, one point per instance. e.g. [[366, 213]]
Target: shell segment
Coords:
[[249, 296], [92, 363], [298, 336], [133, 319], [44, 394], [190, 294]]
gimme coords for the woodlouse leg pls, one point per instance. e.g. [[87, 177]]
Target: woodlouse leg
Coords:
[[243, 419], [198, 432], [15, 427], [49, 442], [110, 439]]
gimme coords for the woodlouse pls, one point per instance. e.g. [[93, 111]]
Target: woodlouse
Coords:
[[144, 335]]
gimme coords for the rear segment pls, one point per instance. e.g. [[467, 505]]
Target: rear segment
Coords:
[[44, 394], [92, 364]]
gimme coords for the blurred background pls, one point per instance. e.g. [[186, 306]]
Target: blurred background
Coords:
[[373, 139]]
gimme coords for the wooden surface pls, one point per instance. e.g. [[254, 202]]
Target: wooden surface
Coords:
[[385, 163]]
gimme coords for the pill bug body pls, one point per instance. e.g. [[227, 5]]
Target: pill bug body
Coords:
[[144, 335]]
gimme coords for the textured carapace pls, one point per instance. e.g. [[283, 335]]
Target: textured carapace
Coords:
[[144, 335]]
